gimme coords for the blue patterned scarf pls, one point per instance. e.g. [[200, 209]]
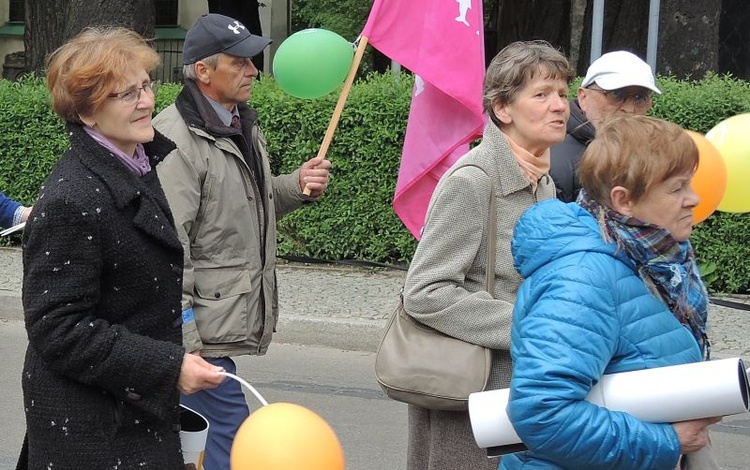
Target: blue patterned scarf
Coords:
[[666, 266]]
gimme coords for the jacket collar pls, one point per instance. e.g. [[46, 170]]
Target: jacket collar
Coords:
[[509, 173], [144, 193], [197, 112], [578, 124]]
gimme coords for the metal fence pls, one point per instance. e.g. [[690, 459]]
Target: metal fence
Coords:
[[170, 69]]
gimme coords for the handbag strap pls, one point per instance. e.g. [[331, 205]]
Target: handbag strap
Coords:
[[489, 280]]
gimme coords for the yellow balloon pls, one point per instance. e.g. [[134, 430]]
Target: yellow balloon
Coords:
[[285, 436], [730, 139]]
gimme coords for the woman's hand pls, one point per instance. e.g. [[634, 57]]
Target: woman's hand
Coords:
[[693, 435], [198, 374]]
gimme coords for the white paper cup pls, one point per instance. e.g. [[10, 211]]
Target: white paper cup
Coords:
[[193, 434]]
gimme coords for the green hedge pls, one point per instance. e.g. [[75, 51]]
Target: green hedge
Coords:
[[31, 138], [355, 219]]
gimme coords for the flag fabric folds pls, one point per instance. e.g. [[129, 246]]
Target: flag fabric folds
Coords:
[[442, 43]]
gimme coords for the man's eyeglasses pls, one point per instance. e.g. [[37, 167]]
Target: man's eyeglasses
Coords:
[[618, 97], [133, 95]]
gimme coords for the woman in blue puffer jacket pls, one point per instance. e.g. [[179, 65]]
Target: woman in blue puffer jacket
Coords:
[[611, 285]]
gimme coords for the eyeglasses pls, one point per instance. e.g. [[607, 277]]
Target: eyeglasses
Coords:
[[618, 97], [133, 95]]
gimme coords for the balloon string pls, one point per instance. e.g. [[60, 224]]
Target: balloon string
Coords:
[[248, 386]]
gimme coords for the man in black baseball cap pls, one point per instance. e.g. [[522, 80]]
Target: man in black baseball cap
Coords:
[[214, 33], [225, 201]]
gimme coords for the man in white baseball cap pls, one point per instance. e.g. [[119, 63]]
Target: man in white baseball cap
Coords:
[[616, 82]]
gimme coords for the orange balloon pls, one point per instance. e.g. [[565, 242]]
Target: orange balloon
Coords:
[[710, 179], [285, 436]]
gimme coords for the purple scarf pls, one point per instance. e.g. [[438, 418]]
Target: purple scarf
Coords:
[[138, 164]]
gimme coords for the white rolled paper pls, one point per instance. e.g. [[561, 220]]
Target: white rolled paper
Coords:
[[661, 395], [489, 421], [13, 229]]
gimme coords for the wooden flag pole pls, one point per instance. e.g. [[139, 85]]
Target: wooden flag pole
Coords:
[[342, 101]]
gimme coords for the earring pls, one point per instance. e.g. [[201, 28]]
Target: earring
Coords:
[[92, 123]]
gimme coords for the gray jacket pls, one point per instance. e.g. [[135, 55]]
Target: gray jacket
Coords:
[[226, 222], [444, 287]]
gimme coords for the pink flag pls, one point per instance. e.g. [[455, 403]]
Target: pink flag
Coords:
[[442, 42]]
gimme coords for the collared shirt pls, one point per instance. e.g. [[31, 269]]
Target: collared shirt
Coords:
[[224, 115]]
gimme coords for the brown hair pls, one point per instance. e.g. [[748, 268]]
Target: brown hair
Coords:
[[635, 152], [518, 63], [83, 72]]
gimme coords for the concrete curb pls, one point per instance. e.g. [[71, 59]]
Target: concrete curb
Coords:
[[339, 333], [346, 334]]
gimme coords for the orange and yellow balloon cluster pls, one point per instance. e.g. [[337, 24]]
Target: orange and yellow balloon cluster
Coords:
[[285, 436], [722, 179]]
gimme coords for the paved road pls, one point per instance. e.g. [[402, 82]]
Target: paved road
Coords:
[[336, 384]]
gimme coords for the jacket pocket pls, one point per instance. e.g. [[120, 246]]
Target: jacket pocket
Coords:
[[191, 340], [221, 302]]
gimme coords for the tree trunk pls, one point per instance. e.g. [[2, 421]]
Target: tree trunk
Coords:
[[689, 38], [577, 15], [43, 31], [533, 19], [734, 38], [138, 15], [246, 12], [50, 23], [625, 28]]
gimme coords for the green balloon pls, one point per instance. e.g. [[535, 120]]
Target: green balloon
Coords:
[[312, 63]]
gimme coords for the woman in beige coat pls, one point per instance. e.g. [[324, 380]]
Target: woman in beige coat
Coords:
[[525, 98]]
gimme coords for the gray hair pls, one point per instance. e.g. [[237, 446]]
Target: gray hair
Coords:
[[188, 70], [515, 65]]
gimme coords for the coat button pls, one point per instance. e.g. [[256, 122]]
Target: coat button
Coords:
[[217, 295]]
